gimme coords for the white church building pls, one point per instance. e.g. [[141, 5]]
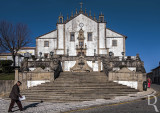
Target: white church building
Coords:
[[81, 34]]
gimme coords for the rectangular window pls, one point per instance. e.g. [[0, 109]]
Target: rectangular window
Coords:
[[72, 37], [114, 42], [46, 43], [89, 36]]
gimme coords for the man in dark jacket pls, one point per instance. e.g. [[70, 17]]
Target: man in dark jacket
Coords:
[[14, 95]]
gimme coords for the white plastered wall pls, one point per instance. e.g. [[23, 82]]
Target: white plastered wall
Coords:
[[68, 65], [132, 84], [111, 35], [117, 50], [102, 45], [52, 38], [52, 46], [73, 26]]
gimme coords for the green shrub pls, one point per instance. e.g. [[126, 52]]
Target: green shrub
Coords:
[[0, 70], [7, 69], [5, 66], [5, 63]]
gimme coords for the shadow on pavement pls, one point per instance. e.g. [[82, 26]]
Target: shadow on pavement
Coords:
[[157, 83], [30, 105]]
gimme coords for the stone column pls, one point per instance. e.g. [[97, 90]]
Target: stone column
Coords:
[[16, 75], [99, 65], [140, 81]]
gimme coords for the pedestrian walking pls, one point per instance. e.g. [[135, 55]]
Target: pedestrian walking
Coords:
[[14, 95], [149, 82]]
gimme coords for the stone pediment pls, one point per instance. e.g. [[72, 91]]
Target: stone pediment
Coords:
[[124, 70], [82, 16], [51, 35], [111, 33]]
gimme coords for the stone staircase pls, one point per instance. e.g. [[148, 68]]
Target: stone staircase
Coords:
[[77, 87]]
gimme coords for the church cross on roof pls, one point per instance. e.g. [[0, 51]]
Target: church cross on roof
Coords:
[[81, 5]]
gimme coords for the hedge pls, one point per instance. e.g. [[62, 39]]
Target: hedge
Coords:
[[5, 65]]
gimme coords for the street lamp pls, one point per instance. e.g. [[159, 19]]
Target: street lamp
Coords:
[[110, 53], [94, 52], [85, 46], [40, 53], [51, 54], [26, 57], [68, 52], [122, 55]]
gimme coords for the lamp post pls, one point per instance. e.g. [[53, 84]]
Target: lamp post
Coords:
[[51, 54], [85, 46], [122, 55], [67, 52], [110, 53], [26, 57], [94, 52], [40, 53]]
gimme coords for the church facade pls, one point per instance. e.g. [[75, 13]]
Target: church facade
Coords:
[[81, 35]]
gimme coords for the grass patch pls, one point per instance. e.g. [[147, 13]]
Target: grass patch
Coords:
[[7, 76]]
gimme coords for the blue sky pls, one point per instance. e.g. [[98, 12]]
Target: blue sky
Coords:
[[139, 20]]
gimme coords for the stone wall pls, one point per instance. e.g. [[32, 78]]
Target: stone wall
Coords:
[[127, 77], [34, 78], [6, 86]]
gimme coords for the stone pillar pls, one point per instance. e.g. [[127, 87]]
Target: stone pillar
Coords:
[[140, 81], [63, 65], [51, 76], [140, 86], [16, 75], [99, 65]]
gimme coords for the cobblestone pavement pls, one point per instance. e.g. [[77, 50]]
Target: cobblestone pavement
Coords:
[[138, 106], [32, 107]]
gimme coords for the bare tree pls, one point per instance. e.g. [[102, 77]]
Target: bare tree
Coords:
[[13, 37]]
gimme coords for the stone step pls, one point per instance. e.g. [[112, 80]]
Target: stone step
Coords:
[[59, 101], [77, 87], [68, 93], [73, 94], [81, 83], [76, 94], [70, 97], [84, 91]]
